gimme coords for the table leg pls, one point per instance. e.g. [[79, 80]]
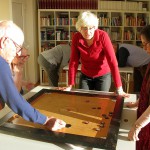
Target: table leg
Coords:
[[128, 82], [66, 78]]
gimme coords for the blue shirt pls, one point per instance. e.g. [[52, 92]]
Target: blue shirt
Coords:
[[10, 95]]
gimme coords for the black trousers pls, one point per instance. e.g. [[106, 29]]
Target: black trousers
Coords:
[[52, 70]]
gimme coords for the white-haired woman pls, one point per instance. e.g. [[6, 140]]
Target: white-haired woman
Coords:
[[94, 49]]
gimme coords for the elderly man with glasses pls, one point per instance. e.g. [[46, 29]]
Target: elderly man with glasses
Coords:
[[11, 40]]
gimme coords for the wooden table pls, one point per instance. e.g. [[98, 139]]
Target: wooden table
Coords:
[[125, 72], [128, 117]]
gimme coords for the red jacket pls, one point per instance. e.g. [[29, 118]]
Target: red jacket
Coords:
[[96, 60]]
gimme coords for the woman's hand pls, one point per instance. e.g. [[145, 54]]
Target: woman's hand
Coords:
[[126, 95], [68, 88], [141, 122], [120, 91], [133, 133], [131, 104], [28, 85]]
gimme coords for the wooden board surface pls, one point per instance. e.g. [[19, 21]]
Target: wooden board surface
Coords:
[[84, 114], [94, 119]]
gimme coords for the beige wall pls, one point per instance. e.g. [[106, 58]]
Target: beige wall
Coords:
[[5, 8], [30, 31], [31, 39]]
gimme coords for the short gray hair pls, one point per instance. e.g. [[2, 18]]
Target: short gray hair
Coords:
[[9, 29], [86, 18]]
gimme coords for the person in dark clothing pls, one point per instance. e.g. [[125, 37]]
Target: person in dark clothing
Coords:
[[53, 61], [140, 131], [130, 55], [134, 56]]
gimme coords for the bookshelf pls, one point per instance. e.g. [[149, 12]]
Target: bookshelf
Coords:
[[122, 20]]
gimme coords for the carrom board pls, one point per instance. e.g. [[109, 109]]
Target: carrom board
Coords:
[[92, 119]]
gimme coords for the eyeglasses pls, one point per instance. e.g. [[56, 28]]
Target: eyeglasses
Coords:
[[24, 56], [18, 47], [145, 44], [87, 28]]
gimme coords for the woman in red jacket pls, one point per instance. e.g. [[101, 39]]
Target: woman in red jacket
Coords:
[[94, 49]]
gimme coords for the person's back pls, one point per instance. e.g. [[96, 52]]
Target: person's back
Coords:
[[137, 55], [53, 60]]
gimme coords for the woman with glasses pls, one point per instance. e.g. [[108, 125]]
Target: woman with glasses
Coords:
[[11, 40], [140, 131], [93, 48]]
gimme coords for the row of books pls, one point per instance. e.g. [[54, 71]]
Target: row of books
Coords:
[[48, 21], [50, 35], [60, 34], [115, 36], [122, 5], [64, 35], [114, 21], [47, 34], [133, 21], [68, 4], [128, 35]]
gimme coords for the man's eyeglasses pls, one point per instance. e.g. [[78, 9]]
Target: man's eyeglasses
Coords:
[[24, 56], [145, 44], [18, 47]]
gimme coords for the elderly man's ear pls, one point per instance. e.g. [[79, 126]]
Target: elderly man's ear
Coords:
[[2, 42]]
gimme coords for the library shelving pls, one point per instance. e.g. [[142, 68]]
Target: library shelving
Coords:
[[122, 20]]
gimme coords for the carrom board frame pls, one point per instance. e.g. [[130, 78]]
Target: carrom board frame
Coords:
[[109, 142]]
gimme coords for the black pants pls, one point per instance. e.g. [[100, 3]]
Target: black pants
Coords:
[[52, 70], [138, 76], [101, 83]]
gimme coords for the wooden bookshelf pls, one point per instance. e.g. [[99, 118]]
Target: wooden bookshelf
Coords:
[[122, 20]]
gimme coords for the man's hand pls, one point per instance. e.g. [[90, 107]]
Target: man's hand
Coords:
[[20, 60], [54, 124]]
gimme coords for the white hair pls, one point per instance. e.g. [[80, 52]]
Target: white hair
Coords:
[[86, 19], [11, 30]]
